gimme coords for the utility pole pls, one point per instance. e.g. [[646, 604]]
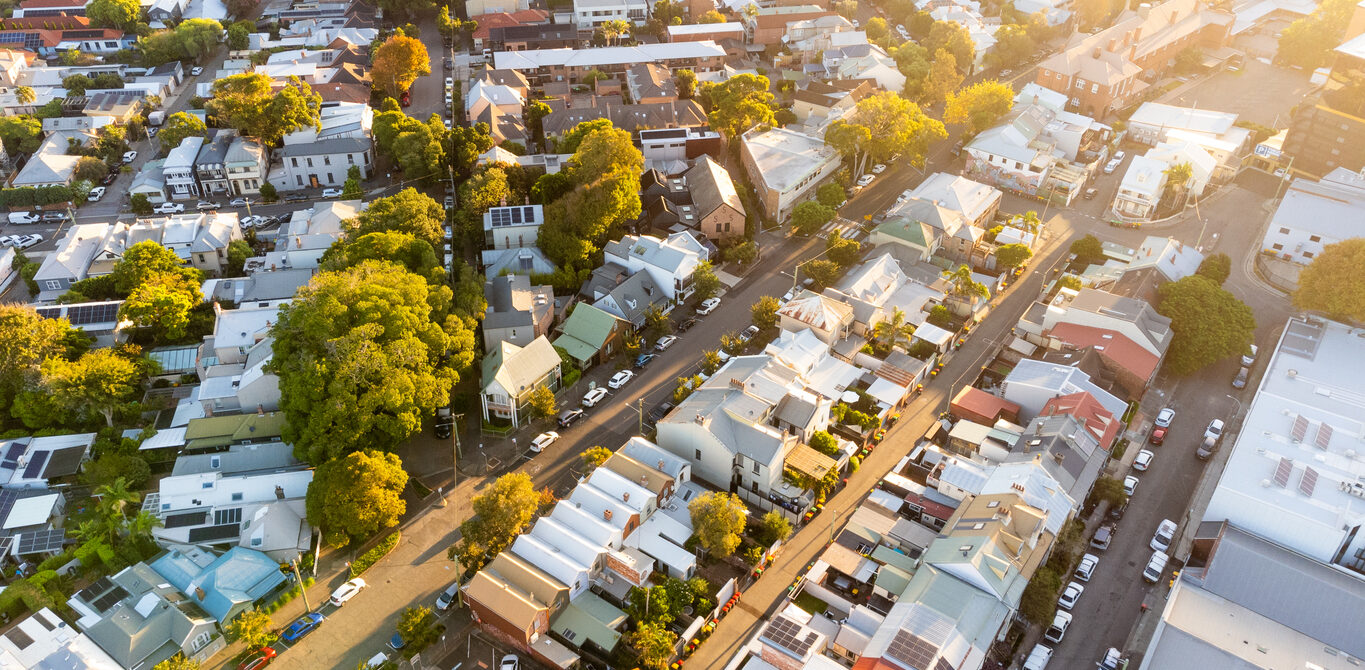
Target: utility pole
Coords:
[[294, 563], [640, 414]]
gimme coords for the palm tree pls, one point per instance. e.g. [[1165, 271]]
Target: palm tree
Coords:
[[24, 95], [893, 329], [614, 29], [750, 11], [964, 286], [1178, 178]]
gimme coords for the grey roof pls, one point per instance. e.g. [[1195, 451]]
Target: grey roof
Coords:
[[512, 302], [794, 410], [239, 459], [528, 260], [244, 150], [272, 285], [1141, 313], [711, 187], [634, 296], [1334, 210], [337, 145], [132, 638], [215, 147]]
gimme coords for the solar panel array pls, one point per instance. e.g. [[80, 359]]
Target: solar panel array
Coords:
[[35, 464], [64, 461], [1308, 481], [210, 533], [1282, 471], [18, 637], [48, 541], [12, 454], [84, 315], [224, 516], [1300, 429], [943, 664], [912, 650], [512, 216], [1324, 436], [89, 593], [103, 594], [787, 634], [183, 519]]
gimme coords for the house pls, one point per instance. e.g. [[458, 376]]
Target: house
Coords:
[[669, 261], [668, 114], [977, 203], [716, 204], [224, 585], [649, 83], [512, 373], [1106, 71], [70, 260], [247, 165], [215, 433], [785, 167], [122, 105], [525, 261], [973, 404], [1314, 214], [1215, 133], [512, 227], [36, 8], [478, 7], [1032, 383], [1038, 146], [517, 311], [482, 96], [44, 640], [258, 287], [515, 599], [99, 319], [533, 37], [1326, 128], [569, 65], [260, 511], [769, 25], [716, 32], [634, 298], [309, 233], [1140, 192], [323, 163], [140, 620], [588, 14], [179, 169], [591, 335], [499, 20], [826, 317], [46, 168], [150, 182]]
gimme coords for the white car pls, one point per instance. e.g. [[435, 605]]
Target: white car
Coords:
[[450, 82], [1156, 565], [26, 241], [1087, 567], [1165, 417], [1143, 460], [621, 379], [8, 240], [543, 440], [509, 662], [866, 179], [237, 202], [129, 156], [1112, 165], [905, 34], [249, 222], [708, 305], [594, 396], [665, 342], [205, 206], [1249, 358], [1130, 485], [878, 168], [95, 194], [1060, 622], [196, 71], [904, 196], [1215, 429], [346, 592], [169, 208], [331, 192], [1163, 537], [1070, 595], [1038, 658]]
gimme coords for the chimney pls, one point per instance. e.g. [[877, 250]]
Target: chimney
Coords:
[[1137, 34], [661, 465], [625, 497], [260, 410], [1113, 44], [606, 514], [644, 481], [1144, 9], [1095, 54], [1058, 456]]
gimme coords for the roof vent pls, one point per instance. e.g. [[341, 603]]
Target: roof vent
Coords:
[[606, 514], [625, 497]]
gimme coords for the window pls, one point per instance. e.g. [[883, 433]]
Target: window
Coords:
[[698, 454], [215, 462], [1277, 247], [753, 486], [53, 285], [326, 160], [1307, 254], [299, 178], [350, 158], [1315, 238], [201, 258], [237, 497], [295, 161], [255, 541], [331, 178], [201, 640], [207, 485], [310, 161], [1094, 88], [1284, 231], [755, 467]]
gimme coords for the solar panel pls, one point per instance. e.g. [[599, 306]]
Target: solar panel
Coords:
[[83, 315], [1300, 428], [183, 519], [105, 602], [89, 593], [211, 533], [35, 465], [49, 312], [787, 634], [12, 454], [511, 216], [943, 664], [48, 541], [1282, 471], [18, 637], [1324, 436], [1308, 481], [64, 461], [912, 650]]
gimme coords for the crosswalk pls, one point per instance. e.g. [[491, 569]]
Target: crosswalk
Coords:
[[838, 225]]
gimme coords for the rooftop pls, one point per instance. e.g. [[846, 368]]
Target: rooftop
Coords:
[[786, 158]]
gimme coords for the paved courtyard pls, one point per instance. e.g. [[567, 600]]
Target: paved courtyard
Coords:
[[1259, 92]]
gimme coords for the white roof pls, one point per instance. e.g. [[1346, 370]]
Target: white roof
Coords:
[[887, 392], [932, 334], [565, 539], [31, 511], [644, 53], [1169, 116], [184, 154], [662, 537], [785, 158], [705, 28], [1145, 176], [240, 327], [209, 489], [51, 644], [654, 456], [165, 438], [585, 523], [625, 490]]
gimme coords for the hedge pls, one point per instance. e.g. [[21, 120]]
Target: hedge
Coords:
[[366, 560], [28, 197]]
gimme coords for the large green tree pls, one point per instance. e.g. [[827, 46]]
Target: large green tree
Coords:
[[1308, 42], [363, 355], [718, 519], [407, 211], [180, 125], [398, 62], [881, 126], [953, 38], [502, 510], [652, 643], [190, 39], [738, 104], [146, 260], [26, 340], [100, 382], [21, 134], [249, 103], [253, 628], [979, 105], [403, 248], [162, 305], [1209, 324], [121, 14], [809, 216], [1334, 283], [353, 497]]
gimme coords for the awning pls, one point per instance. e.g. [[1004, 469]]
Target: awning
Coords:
[[165, 439], [809, 462], [886, 392], [932, 334]]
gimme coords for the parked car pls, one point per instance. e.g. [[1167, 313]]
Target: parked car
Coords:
[[109, 179], [249, 222], [660, 411], [346, 592], [1120, 155], [296, 197], [1111, 659], [620, 379], [95, 194], [1249, 358], [1155, 566], [129, 156], [864, 180], [1158, 435], [686, 325], [643, 360], [301, 627], [878, 168], [1090, 193], [258, 659], [397, 642], [665, 342], [707, 306], [1038, 657], [1116, 513], [1087, 567], [594, 396], [54, 217], [1215, 429], [900, 30], [905, 195], [21, 218], [331, 192], [1164, 536], [26, 241], [544, 440], [1070, 595], [1060, 622], [1130, 485], [1112, 165], [8, 240], [1240, 381], [1206, 449], [237, 202], [447, 63], [1104, 535], [568, 417], [206, 206], [749, 333], [509, 662], [196, 71], [169, 208], [1143, 460], [447, 597]]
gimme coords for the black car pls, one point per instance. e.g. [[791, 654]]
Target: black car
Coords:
[[685, 325], [109, 179], [1116, 513], [447, 63], [296, 197], [568, 417], [660, 411]]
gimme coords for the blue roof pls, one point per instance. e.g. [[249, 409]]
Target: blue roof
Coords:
[[240, 576]]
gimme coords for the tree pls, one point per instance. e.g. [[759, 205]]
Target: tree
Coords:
[[188, 40], [356, 496], [239, 36], [407, 211], [141, 205], [21, 134], [363, 355], [843, 251], [595, 456], [893, 329], [1013, 255], [764, 312], [569, 141], [1038, 603], [1088, 250], [1217, 267], [418, 627], [26, 340], [657, 323], [941, 316], [830, 195], [710, 361], [824, 443], [413, 254], [944, 78], [542, 403], [603, 152], [249, 103], [953, 38], [731, 343], [100, 382], [1308, 42], [1109, 489], [773, 527], [718, 519], [397, 63], [177, 662], [110, 467], [964, 286], [809, 216], [881, 126], [979, 105], [253, 628], [822, 272], [351, 190], [653, 644], [1334, 283], [847, 9], [740, 103], [90, 169], [120, 14], [686, 81], [501, 511], [76, 84], [1094, 13], [743, 252], [146, 260], [180, 125], [1208, 323], [704, 281], [712, 16], [1013, 45], [24, 95], [1177, 180], [162, 304]]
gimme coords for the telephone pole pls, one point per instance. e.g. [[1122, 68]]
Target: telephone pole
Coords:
[[294, 563]]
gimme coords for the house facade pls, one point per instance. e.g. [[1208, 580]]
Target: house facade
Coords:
[[323, 164]]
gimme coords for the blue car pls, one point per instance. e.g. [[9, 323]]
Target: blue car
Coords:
[[397, 642], [301, 627]]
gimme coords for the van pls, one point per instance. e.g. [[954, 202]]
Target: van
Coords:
[[1155, 566], [20, 218], [1038, 658]]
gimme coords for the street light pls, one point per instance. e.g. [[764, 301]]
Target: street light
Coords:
[[1238, 402]]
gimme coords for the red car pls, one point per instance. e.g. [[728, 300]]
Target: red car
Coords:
[[260, 659], [1158, 436], [407, 98]]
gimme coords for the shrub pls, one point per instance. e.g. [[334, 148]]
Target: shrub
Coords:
[[367, 560]]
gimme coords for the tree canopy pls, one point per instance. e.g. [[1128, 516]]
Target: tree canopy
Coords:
[[249, 103], [1216, 267], [738, 104], [809, 216], [26, 340], [881, 126], [398, 62], [356, 496], [403, 248], [180, 125], [501, 511], [146, 260], [1334, 282], [162, 305], [121, 14], [190, 39], [100, 382], [979, 105], [1308, 42], [718, 519], [407, 211], [1209, 324], [1013, 255]]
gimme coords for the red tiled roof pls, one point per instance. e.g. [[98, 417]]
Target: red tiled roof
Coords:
[[973, 401], [935, 509], [487, 22], [1111, 344], [61, 22], [1103, 425]]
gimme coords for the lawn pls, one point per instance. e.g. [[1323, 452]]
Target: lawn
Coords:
[[811, 604]]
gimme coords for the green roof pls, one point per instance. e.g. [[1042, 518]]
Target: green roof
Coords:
[[888, 556], [590, 324], [893, 579], [589, 617], [577, 349], [221, 431], [904, 229]]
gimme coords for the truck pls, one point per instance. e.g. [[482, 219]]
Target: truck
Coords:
[[156, 118]]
